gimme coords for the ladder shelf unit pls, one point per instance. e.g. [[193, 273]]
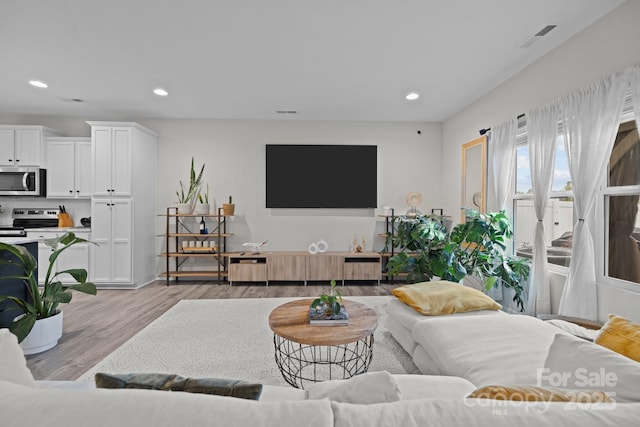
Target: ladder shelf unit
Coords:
[[179, 230]]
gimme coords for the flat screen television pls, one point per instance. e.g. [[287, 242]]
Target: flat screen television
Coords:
[[322, 176]]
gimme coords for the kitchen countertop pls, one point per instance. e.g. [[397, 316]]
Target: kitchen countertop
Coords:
[[18, 240], [59, 229]]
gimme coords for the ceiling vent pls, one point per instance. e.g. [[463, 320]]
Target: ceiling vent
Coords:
[[537, 36], [71, 100], [286, 112]]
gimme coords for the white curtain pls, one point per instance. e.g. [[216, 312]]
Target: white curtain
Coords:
[[542, 126], [502, 145], [590, 118]]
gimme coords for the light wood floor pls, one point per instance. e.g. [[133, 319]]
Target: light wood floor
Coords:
[[95, 326]]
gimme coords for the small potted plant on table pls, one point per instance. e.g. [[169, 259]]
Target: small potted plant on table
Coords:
[[328, 308]]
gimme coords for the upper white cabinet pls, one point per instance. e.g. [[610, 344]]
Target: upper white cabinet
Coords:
[[112, 160], [69, 172], [23, 145]]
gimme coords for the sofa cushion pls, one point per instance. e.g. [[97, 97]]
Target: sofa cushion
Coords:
[[529, 393], [483, 413], [578, 364], [622, 336], [432, 387], [505, 349], [443, 297], [170, 382], [152, 408], [372, 387], [573, 329], [13, 365]]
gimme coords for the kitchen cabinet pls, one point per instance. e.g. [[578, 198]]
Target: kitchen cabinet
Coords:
[[112, 160], [76, 256], [111, 226], [123, 200], [69, 171], [23, 145]]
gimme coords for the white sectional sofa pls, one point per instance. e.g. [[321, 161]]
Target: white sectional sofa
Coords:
[[374, 399]]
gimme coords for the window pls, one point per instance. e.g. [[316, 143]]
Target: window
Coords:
[[617, 239], [558, 219], [621, 197]]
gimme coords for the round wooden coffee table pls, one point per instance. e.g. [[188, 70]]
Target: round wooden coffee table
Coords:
[[308, 353]]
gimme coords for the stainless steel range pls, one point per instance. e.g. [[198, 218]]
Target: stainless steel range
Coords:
[[35, 217]]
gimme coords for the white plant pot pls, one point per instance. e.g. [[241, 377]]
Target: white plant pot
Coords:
[[202, 208], [44, 335], [185, 208]]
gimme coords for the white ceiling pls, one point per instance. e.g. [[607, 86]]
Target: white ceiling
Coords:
[[246, 59]]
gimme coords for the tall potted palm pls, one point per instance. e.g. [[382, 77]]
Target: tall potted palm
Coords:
[[39, 326]]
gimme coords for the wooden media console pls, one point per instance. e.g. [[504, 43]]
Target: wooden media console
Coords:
[[304, 267]]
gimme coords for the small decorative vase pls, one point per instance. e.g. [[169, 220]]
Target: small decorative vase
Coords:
[[202, 208], [44, 335], [228, 209]]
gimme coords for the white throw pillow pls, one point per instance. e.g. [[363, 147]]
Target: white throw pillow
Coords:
[[573, 329], [13, 365], [581, 365], [364, 389]]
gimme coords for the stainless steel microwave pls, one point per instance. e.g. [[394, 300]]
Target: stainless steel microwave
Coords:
[[23, 182]]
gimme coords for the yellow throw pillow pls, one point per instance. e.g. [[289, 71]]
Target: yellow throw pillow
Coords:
[[443, 297], [622, 336], [528, 393]]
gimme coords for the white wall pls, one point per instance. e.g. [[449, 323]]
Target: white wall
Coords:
[[234, 154], [607, 46]]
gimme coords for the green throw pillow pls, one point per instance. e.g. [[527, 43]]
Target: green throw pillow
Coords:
[[218, 386]]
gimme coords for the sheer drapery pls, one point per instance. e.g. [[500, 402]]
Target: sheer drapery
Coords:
[[590, 119], [542, 125], [502, 145]]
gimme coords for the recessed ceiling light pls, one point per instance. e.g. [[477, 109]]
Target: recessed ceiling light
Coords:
[[38, 83], [160, 92], [412, 96]]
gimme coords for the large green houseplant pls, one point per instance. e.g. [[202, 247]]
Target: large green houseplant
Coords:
[[474, 248], [43, 301], [420, 240]]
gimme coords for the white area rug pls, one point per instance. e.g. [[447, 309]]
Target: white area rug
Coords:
[[229, 338]]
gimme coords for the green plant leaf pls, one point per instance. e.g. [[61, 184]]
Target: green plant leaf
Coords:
[[86, 287], [335, 307], [21, 327], [490, 282], [79, 274], [58, 298], [316, 302]]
